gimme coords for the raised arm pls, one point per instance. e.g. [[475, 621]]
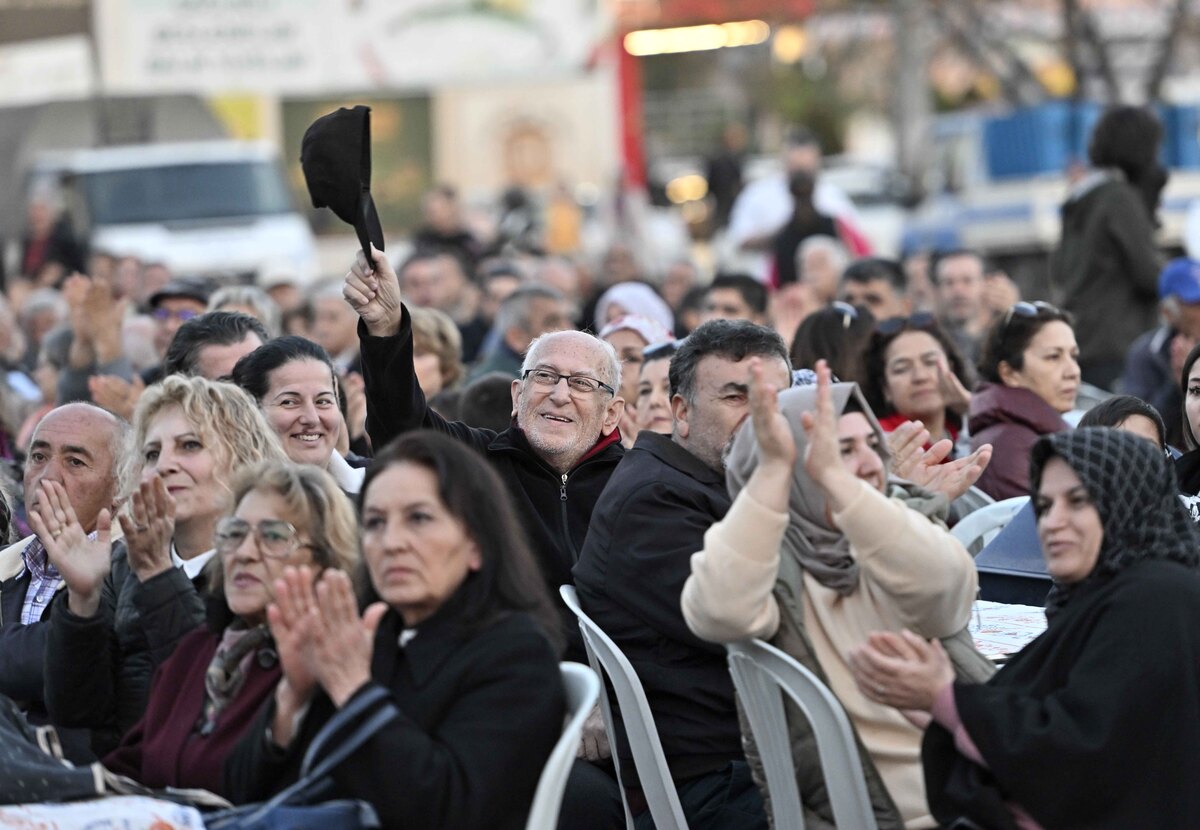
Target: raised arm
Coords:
[[729, 594]]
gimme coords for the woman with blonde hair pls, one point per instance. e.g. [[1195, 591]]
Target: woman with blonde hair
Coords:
[[129, 603], [437, 350]]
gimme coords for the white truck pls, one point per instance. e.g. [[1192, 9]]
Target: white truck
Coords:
[[998, 181], [211, 208]]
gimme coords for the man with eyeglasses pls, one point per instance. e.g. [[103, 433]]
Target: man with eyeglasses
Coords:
[[650, 520], [562, 445]]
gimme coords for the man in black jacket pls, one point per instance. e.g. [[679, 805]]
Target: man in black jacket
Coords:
[[562, 446], [650, 520]]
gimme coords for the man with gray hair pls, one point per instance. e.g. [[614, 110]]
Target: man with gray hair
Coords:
[[525, 315], [563, 444], [81, 448]]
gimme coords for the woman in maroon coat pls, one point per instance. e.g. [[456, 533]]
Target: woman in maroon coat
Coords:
[[1030, 366], [208, 693]]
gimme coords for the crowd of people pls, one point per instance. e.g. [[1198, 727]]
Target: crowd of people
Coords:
[[234, 512]]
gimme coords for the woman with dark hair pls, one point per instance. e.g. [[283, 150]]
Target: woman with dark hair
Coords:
[[295, 384], [1187, 466], [1030, 373], [1107, 264], [837, 334], [913, 372], [1096, 722], [1131, 414], [459, 632]]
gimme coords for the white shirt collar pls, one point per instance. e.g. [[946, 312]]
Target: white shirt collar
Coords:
[[193, 566], [349, 478]]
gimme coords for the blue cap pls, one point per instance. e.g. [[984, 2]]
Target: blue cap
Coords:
[[1180, 278]]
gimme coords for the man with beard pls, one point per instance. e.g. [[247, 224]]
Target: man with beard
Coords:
[[649, 521]]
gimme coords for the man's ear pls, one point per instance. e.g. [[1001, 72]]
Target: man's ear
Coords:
[[680, 412], [612, 415], [516, 393]]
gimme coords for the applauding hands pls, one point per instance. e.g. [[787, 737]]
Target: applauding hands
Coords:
[[321, 640]]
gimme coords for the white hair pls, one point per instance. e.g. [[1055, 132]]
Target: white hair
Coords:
[[821, 242], [609, 372]]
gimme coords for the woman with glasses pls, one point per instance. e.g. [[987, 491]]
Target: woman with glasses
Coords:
[[913, 372], [1030, 369], [208, 693], [458, 632], [130, 603]]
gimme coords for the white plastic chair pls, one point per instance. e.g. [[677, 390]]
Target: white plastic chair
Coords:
[[583, 689], [762, 674], [607, 660], [980, 527], [970, 501]]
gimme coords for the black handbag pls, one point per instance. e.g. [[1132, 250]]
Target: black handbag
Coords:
[[300, 806]]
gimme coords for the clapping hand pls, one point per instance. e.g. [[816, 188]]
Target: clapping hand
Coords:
[[822, 457], [373, 290], [956, 396], [925, 468], [149, 529], [82, 562], [776, 444], [901, 670], [341, 640]]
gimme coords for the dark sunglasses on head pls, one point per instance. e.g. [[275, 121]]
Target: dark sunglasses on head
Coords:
[[849, 313], [1029, 310], [895, 325]]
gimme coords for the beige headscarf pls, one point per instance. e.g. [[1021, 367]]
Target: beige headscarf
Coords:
[[821, 549]]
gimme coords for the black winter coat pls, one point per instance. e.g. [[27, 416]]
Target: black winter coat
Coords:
[[555, 509], [98, 669], [479, 715], [651, 519], [1095, 723]]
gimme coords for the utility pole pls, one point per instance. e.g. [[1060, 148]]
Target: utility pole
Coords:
[[912, 109]]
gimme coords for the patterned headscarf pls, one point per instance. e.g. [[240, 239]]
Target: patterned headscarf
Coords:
[[822, 549], [1134, 491]]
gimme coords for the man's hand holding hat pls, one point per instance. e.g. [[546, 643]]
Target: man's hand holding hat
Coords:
[[374, 292]]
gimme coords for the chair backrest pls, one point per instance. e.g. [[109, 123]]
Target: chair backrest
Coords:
[[648, 759], [979, 528], [583, 689], [762, 674], [970, 501]]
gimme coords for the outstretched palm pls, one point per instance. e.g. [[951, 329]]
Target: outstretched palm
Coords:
[[82, 562]]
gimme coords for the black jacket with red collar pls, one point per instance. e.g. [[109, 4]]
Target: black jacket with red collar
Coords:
[[554, 508]]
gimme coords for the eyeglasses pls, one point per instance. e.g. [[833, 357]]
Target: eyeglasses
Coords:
[[660, 350], [895, 325], [183, 314], [576, 383], [1029, 310], [276, 538], [848, 312]]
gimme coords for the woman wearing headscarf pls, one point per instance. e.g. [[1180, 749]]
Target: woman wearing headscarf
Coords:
[[811, 556], [633, 298], [1096, 722]]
